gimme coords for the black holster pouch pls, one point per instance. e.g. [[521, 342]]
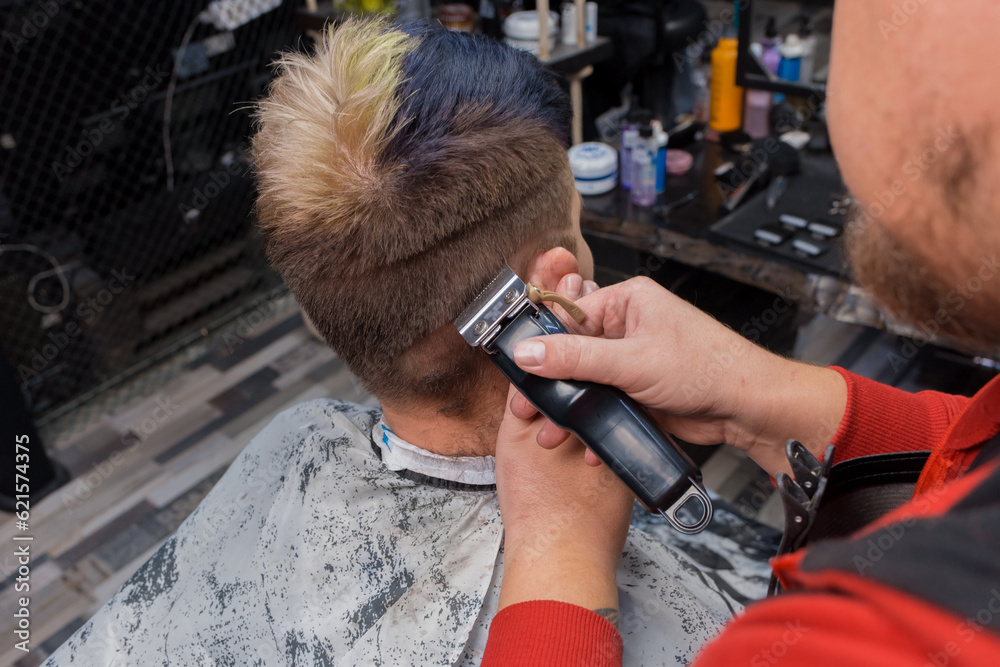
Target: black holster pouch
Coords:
[[824, 501]]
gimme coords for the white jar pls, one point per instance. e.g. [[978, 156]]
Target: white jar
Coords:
[[594, 166], [521, 30]]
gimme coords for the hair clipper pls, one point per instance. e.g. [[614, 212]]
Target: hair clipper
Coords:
[[607, 420]]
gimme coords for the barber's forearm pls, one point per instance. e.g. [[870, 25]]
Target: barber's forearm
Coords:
[[560, 575], [787, 400]]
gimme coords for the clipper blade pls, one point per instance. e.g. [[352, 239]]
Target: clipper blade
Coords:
[[497, 299]]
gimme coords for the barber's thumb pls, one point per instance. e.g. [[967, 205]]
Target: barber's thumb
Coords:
[[568, 356]]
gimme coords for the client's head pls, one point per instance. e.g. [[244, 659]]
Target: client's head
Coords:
[[399, 168]]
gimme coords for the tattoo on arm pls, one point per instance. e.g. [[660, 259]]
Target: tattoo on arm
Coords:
[[610, 614]]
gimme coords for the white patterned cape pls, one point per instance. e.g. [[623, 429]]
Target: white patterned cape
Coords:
[[309, 551]]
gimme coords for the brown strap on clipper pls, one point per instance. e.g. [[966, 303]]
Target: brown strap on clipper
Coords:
[[536, 295]]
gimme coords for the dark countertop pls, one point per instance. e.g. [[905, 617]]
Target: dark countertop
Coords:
[[684, 236]]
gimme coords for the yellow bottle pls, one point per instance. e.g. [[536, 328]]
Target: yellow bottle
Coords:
[[725, 112]]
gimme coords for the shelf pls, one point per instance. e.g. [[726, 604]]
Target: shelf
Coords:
[[563, 59], [568, 59]]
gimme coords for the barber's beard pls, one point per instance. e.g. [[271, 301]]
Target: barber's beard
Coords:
[[908, 288]]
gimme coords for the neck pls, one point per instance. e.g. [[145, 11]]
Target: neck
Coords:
[[473, 433]]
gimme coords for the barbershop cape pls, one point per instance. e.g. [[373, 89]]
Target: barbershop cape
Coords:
[[330, 541]]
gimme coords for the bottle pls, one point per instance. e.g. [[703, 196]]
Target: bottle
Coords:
[[568, 24], [644, 166], [770, 45], [629, 133], [661, 156], [791, 58], [808, 41], [590, 29], [755, 119], [771, 38], [701, 81], [726, 106]]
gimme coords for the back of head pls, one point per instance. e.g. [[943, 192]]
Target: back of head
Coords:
[[399, 168]]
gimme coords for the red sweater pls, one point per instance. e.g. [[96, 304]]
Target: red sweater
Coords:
[[912, 593]]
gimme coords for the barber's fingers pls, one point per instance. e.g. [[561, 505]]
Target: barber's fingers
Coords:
[[617, 310], [514, 400], [551, 436], [563, 356], [519, 405], [606, 309], [571, 286]]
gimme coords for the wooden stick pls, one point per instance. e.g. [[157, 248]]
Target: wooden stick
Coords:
[[542, 7], [576, 100], [581, 23]]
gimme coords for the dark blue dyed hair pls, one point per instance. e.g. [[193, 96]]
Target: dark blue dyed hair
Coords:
[[450, 71]]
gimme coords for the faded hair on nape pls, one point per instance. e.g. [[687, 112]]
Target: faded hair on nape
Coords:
[[399, 167]]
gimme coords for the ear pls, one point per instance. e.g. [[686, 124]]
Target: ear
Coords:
[[546, 269]]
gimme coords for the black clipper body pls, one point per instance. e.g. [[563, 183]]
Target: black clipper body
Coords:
[[605, 419]]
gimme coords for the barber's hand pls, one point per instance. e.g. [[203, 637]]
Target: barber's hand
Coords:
[[704, 383], [564, 522]]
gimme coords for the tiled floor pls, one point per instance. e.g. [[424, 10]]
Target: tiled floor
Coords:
[[140, 469]]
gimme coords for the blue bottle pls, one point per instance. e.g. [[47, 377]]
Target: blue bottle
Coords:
[[791, 52]]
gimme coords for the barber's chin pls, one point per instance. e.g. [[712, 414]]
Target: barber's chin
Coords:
[[907, 287]]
